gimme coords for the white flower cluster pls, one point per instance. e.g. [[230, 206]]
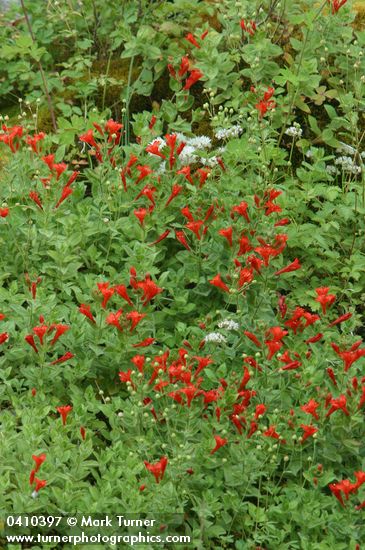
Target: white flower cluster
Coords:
[[346, 149], [228, 324], [228, 133], [348, 165], [294, 131], [215, 337], [331, 170]]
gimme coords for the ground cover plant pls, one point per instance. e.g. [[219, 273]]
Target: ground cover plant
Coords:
[[182, 225]]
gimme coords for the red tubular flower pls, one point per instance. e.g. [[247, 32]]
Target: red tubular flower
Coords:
[[203, 174], [195, 227], [40, 331], [336, 5], [49, 160], [338, 404], [146, 342], [106, 292], [253, 428], [308, 431], [315, 338], [121, 290], [331, 374], [113, 319], [311, 408], [152, 122], [64, 412], [191, 38], [282, 222], [263, 107], [135, 317], [4, 212], [176, 189], [335, 489], [157, 469], [72, 178], [245, 379], [144, 171], [30, 340], [125, 377], [154, 149], [60, 329], [271, 432], [66, 192], [219, 442], [186, 173], [291, 366], [31, 477], [39, 484], [217, 281], [273, 346], [184, 66], [291, 267], [149, 289], [245, 247], [85, 310], [227, 234], [250, 28], [140, 214], [260, 410], [340, 319], [35, 198], [245, 277], [139, 361], [195, 75], [181, 238], [187, 214], [33, 141], [4, 336], [324, 298], [38, 461], [160, 237], [83, 433], [253, 338], [59, 169], [68, 355]]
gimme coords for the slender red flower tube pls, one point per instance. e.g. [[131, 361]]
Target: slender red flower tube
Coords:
[[217, 281], [38, 461], [68, 355], [219, 442], [85, 310], [291, 267], [157, 469], [64, 412]]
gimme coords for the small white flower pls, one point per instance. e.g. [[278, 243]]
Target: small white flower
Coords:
[[215, 337], [345, 148], [200, 142], [294, 131], [332, 170], [228, 324], [228, 133], [348, 165]]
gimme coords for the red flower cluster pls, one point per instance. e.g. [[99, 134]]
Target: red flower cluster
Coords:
[[41, 331], [157, 469], [346, 488], [39, 483]]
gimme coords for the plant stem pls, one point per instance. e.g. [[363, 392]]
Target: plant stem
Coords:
[[45, 86]]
